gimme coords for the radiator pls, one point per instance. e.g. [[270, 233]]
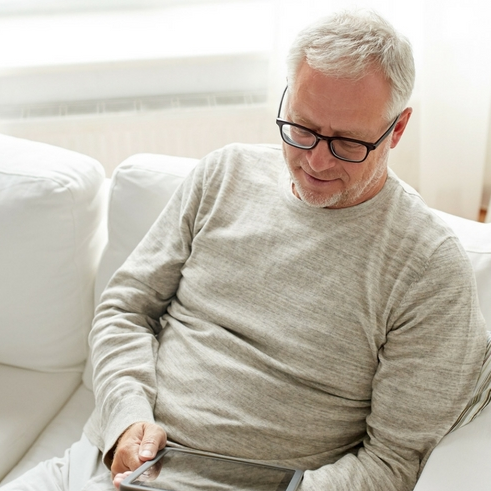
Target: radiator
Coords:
[[112, 130]]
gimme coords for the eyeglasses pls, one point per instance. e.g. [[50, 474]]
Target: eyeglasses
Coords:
[[347, 149]]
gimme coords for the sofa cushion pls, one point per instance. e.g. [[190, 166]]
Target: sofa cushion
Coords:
[[461, 460], [476, 240], [65, 429], [50, 211], [29, 401], [140, 188]]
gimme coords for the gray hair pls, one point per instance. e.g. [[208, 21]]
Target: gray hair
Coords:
[[348, 44]]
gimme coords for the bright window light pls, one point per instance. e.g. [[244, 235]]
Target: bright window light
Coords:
[[29, 7]]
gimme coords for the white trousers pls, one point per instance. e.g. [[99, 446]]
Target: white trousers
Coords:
[[80, 469]]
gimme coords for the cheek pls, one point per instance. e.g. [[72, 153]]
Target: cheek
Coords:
[[374, 169], [292, 155], [360, 173], [355, 173]]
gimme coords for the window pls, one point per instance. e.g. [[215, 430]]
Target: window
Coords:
[[16, 7]]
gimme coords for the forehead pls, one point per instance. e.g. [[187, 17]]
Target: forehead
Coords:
[[339, 104]]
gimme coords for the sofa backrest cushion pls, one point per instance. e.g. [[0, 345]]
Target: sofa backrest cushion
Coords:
[[476, 239], [51, 207], [140, 188]]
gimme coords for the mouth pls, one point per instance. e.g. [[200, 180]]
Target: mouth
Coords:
[[318, 180]]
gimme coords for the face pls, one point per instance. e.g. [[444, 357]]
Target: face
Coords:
[[339, 107]]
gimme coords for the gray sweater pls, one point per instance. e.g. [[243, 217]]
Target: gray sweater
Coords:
[[249, 324]]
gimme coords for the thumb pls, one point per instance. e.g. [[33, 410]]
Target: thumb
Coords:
[[154, 438]]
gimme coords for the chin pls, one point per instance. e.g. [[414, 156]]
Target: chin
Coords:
[[340, 199]]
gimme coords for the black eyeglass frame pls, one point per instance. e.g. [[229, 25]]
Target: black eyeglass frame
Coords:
[[329, 139]]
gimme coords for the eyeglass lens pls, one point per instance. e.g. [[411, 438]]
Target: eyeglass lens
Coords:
[[302, 138]]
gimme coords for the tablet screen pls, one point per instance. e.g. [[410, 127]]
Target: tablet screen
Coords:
[[181, 471]]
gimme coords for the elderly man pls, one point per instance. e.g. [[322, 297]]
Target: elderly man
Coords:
[[297, 306]]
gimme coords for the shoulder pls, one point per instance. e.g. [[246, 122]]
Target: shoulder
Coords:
[[414, 218], [235, 155], [241, 162], [433, 258], [416, 236]]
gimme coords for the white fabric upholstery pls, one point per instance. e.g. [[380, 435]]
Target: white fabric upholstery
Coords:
[[140, 188], [30, 399], [50, 215], [461, 461], [476, 239], [49, 211], [60, 434]]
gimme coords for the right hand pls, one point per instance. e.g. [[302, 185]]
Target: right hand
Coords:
[[138, 444]]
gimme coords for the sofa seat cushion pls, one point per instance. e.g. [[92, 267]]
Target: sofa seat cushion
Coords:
[[64, 430], [461, 461], [30, 400]]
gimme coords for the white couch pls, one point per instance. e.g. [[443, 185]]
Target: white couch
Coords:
[[64, 230]]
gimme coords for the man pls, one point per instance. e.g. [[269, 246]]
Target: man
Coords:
[[314, 314]]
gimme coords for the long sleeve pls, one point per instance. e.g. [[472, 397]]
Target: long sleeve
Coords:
[[125, 336], [426, 372]]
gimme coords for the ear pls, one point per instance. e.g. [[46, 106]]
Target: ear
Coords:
[[400, 126]]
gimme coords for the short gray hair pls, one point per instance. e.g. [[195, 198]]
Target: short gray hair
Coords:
[[348, 44]]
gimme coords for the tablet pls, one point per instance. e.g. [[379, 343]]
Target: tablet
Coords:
[[176, 469]]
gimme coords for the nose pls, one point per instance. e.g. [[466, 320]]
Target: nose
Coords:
[[320, 157]]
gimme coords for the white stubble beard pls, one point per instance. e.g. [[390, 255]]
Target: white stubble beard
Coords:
[[346, 198]]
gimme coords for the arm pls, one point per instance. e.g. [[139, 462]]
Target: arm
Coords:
[[124, 338], [426, 372]]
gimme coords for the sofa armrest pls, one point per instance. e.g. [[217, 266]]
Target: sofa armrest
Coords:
[[51, 207]]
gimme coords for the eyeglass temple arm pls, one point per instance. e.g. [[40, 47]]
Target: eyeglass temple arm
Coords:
[[281, 101]]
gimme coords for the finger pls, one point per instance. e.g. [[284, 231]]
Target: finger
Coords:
[[154, 438], [119, 478], [139, 443]]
